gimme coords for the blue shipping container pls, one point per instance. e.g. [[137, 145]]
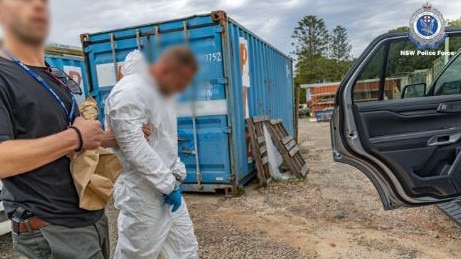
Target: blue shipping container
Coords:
[[240, 76]]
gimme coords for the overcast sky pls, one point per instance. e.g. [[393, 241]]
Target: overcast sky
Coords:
[[273, 20]]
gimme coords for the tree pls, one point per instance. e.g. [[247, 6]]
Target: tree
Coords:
[[311, 38], [455, 23], [340, 46], [315, 70], [401, 29], [314, 48]]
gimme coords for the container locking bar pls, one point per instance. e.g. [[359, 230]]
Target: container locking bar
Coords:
[[194, 120], [158, 43], [113, 46], [138, 39]]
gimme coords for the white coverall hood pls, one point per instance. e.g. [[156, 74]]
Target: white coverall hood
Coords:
[[146, 225], [135, 62]]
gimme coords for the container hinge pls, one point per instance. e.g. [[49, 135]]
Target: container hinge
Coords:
[[113, 46], [227, 130], [84, 38], [222, 80], [180, 140], [188, 152]]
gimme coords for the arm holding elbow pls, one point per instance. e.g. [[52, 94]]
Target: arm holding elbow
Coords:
[[126, 117]]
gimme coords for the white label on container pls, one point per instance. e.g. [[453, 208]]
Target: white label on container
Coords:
[[220, 179], [245, 68], [245, 62], [106, 74], [202, 108], [76, 74]]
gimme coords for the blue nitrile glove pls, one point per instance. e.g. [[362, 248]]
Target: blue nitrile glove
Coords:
[[174, 199]]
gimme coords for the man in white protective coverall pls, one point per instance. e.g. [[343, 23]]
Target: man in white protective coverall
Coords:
[[153, 216]]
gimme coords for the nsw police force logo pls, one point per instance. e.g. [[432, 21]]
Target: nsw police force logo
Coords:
[[427, 27]]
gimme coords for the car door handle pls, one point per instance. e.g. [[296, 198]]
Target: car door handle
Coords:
[[444, 140], [453, 107]]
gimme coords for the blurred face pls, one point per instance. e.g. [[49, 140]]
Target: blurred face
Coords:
[[179, 80], [173, 81], [26, 20]]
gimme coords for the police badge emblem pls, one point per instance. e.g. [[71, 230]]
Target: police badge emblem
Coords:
[[427, 27]]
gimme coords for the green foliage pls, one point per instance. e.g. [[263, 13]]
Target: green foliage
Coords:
[[408, 64], [302, 95], [455, 23], [311, 37], [340, 46], [319, 69], [321, 56], [374, 67], [401, 29]]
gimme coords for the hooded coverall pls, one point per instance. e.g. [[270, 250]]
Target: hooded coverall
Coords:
[[146, 225]]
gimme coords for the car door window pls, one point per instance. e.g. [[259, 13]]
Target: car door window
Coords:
[[401, 70], [449, 81], [367, 86]]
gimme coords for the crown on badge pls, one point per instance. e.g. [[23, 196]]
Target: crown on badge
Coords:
[[427, 6]]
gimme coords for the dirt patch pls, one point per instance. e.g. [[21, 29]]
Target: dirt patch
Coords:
[[334, 213]]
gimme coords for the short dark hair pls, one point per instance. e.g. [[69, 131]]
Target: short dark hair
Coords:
[[180, 56]]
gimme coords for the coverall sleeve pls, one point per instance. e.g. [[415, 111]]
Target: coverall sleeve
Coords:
[[127, 115], [180, 169]]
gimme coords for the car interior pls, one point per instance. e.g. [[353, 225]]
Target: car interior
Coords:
[[417, 137]]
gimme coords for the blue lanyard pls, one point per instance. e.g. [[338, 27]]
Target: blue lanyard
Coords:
[[70, 114]]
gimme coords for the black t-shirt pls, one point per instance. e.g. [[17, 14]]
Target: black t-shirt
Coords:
[[29, 111]]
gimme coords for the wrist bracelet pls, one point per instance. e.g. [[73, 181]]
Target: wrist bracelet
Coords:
[[80, 138]]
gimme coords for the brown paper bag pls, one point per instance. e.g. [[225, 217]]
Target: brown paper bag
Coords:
[[89, 109], [94, 171]]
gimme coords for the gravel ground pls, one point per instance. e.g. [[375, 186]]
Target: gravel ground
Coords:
[[334, 213]]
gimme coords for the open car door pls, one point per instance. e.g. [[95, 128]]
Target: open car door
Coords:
[[398, 120]]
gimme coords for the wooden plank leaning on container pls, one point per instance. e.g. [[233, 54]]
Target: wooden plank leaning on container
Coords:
[[287, 147], [259, 149]]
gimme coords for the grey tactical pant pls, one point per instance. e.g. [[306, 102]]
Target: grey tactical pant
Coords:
[[56, 242]]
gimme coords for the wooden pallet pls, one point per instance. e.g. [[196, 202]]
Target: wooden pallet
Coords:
[[287, 147], [258, 148]]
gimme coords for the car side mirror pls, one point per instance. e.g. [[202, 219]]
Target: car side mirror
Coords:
[[412, 91]]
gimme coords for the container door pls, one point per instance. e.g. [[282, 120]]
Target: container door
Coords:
[[203, 134], [398, 120], [202, 111], [105, 54]]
